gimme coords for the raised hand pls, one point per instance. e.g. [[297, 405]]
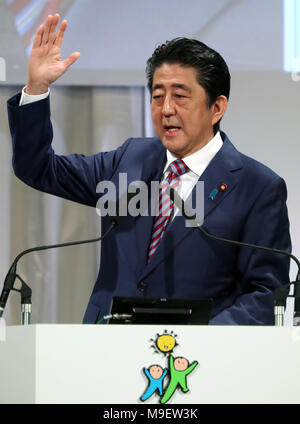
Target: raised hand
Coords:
[[45, 64]]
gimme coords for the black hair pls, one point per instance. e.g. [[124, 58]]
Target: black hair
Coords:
[[211, 69]]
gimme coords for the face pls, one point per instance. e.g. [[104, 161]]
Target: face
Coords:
[[165, 343], [180, 115], [155, 371], [180, 364]]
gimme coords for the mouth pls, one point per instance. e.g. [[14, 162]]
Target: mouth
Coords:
[[171, 130]]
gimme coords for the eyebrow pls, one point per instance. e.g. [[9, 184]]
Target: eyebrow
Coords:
[[175, 85]]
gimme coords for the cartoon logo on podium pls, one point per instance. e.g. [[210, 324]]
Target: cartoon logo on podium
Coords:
[[164, 381]]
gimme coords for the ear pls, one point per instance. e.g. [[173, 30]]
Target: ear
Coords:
[[218, 109]]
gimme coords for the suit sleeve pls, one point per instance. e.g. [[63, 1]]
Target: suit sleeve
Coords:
[[73, 177], [259, 273]]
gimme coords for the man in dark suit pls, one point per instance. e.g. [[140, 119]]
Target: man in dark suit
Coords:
[[159, 256]]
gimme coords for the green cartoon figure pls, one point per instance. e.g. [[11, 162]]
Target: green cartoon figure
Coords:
[[179, 370]]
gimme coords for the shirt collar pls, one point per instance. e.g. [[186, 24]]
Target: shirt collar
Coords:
[[201, 158]]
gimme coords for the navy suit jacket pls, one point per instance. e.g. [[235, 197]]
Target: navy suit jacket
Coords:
[[186, 264]]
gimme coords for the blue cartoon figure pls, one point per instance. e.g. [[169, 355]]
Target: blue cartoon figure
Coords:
[[156, 375]]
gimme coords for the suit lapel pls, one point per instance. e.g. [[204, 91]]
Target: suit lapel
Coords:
[[220, 170]]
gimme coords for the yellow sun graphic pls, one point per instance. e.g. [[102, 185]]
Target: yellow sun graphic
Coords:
[[165, 342]]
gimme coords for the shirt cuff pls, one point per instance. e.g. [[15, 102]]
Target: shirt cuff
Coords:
[[30, 98]]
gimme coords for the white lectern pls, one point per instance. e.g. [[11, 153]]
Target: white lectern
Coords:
[[104, 364]]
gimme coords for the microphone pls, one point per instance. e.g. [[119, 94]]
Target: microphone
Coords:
[[12, 273], [296, 319], [281, 293]]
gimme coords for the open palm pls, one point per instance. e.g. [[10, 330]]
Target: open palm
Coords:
[[45, 63]]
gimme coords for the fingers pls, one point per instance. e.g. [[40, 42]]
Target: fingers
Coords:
[[46, 33], [38, 37], [49, 27], [46, 29], [52, 29], [71, 59], [60, 34]]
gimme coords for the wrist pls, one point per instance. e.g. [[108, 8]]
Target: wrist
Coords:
[[35, 89]]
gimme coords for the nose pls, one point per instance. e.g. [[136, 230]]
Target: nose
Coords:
[[168, 106]]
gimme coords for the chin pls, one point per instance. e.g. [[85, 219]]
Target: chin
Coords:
[[173, 147]]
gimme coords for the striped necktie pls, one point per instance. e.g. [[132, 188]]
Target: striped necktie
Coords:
[[166, 205]]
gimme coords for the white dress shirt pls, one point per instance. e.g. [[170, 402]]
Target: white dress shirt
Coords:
[[197, 163], [30, 98]]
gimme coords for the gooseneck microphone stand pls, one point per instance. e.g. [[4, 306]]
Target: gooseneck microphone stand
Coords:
[[280, 296], [281, 293], [25, 290]]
